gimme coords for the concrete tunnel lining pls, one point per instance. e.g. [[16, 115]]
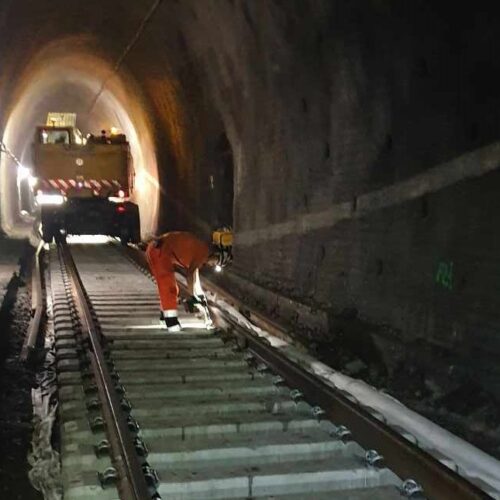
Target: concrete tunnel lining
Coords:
[[62, 74]]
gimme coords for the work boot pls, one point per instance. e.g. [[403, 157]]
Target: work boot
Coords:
[[173, 325], [210, 326]]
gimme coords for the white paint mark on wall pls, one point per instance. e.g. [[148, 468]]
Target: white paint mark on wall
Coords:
[[469, 165]]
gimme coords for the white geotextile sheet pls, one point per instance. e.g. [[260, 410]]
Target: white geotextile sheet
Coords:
[[45, 473]]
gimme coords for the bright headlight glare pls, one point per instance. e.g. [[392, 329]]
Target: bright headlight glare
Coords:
[[49, 199], [23, 172], [218, 268]]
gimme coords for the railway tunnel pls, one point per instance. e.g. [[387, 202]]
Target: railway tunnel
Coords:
[[352, 146]]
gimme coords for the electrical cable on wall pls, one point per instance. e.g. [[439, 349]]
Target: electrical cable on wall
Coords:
[[9, 153]]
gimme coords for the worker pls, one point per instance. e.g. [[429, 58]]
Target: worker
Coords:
[[185, 251], [103, 138]]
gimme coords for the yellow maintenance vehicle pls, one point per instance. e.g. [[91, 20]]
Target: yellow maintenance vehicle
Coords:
[[83, 185]]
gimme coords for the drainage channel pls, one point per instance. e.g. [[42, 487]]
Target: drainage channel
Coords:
[[191, 413]]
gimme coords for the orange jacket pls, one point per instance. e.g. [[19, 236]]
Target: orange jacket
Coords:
[[185, 249]]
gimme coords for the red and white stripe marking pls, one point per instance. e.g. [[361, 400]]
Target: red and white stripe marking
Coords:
[[94, 184]]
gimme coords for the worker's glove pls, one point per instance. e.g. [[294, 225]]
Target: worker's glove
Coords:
[[195, 303], [203, 300]]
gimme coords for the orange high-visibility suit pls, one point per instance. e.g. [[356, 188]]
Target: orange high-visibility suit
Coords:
[[180, 249]]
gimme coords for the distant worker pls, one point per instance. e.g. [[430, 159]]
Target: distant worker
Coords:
[[104, 139], [185, 251]]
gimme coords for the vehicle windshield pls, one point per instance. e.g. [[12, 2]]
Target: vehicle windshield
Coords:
[[48, 136]]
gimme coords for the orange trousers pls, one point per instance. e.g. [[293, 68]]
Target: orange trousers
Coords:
[[161, 263]]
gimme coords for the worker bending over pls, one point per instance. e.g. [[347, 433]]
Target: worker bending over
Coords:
[[185, 251]]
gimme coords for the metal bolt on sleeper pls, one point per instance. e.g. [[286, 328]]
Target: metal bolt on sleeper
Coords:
[[97, 424], [132, 424], [125, 404], [140, 447], [151, 475], [374, 459], [90, 388], [93, 404], [318, 412], [296, 395], [108, 477], [249, 357], [119, 389], [262, 367], [343, 433], [102, 448], [411, 489]]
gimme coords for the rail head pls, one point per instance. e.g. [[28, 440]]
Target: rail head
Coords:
[[402, 456], [131, 483]]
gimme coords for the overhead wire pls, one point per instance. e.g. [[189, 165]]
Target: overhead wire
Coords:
[[125, 52], [3, 147]]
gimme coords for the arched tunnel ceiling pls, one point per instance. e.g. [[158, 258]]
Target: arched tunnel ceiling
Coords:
[[324, 110], [66, 76], [109, 65], [202, 73]]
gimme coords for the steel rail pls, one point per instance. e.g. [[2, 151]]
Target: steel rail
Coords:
[[402, 456], [131, 481], [37, 307], [405, 458]]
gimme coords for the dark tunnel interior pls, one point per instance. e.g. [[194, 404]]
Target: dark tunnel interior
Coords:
[[352, 146]]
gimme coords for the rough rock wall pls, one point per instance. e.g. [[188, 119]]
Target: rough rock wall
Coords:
[[365, 148]]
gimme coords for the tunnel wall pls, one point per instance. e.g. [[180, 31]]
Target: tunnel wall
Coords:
[[363, 137], [365, 147]]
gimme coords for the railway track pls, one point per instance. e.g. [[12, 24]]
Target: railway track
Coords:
[[203, 415]]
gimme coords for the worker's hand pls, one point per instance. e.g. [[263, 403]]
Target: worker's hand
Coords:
[[190, 304], [194, 302], [200, 299]]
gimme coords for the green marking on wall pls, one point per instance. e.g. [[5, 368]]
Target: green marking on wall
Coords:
[[444, 275]]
